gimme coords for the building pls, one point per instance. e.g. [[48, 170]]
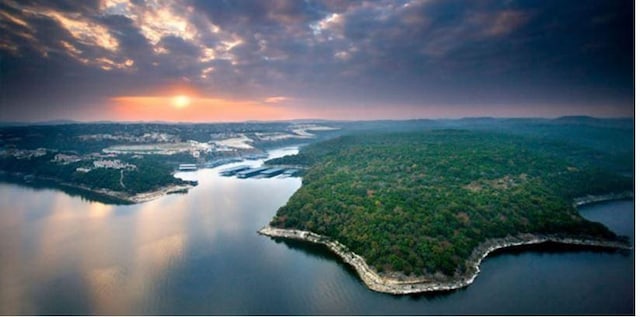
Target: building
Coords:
[[251, 172], [115, 164], [272, 172], [234, 170], [66, 158], [289, 172], [187, 167]]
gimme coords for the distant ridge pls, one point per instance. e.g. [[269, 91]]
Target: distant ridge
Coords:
[[49, 122], [598, 122], [63, 122], [576, 119], [480, 118], [624, 122]]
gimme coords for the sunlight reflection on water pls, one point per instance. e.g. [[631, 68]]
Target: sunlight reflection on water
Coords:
[[122, 253]]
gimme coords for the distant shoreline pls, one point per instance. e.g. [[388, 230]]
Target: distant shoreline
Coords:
[[107, 196], [399, 284], [119, 197]]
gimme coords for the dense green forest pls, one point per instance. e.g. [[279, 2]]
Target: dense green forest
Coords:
[[148, 175], [420, 202]]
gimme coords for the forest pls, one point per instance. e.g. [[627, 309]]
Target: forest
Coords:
[[149, 174], [420, 202]]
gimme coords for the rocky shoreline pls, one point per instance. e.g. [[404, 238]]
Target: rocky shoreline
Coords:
[[400, 284], [591, 199], [146, 196]]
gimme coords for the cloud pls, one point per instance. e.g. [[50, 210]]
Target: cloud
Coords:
[[421, 51], [332, 25], [498, 23], [82, 38], [83, 30], [15, 20], [277, 99]]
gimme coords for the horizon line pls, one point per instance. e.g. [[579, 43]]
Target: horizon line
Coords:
[[72, 121]]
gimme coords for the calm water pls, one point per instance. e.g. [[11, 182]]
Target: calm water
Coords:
[[199, 253]]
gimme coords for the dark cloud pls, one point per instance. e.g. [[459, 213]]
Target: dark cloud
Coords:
[[260, 15], [450, 53]]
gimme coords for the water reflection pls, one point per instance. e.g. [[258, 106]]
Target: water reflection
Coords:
[[108, 259], [45, 185], [199, 253]]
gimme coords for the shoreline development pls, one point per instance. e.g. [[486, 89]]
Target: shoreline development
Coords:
[[400, 284], [109, 196]]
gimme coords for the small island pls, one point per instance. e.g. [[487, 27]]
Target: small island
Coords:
[[416, 212]]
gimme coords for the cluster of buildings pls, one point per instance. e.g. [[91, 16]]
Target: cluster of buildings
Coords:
[[97, 160], [24, 154], [245, 171], [114, 164], [145, 138], [62, 158], [66, 158], [100, 161]]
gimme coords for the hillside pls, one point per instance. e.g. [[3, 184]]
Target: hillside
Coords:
[[420, 202]]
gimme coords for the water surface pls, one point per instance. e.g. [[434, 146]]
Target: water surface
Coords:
[[199, 253]]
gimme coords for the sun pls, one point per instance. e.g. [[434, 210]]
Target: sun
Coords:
[[181, 101]]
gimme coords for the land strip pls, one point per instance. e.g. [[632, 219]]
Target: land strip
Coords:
[[399, 284]]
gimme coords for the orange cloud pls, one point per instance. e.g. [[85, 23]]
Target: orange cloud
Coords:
[[199, 109], [83, 30], [276, 99]]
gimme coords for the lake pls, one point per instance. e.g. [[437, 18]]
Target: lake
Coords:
[[199, 253]]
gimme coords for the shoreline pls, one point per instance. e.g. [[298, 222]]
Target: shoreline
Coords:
[[593, 199], [399, 284], [121, 197], [149, 196]]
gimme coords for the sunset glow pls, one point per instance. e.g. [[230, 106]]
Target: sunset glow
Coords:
[[181, 101], [354, 60], [201, 109]]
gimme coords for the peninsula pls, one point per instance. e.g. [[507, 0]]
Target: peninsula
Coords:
[[418, 211]]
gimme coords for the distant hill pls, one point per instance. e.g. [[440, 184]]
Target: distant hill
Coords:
[[48, 122], [599, 122]]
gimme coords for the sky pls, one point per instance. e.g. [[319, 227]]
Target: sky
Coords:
[[210, 61]]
